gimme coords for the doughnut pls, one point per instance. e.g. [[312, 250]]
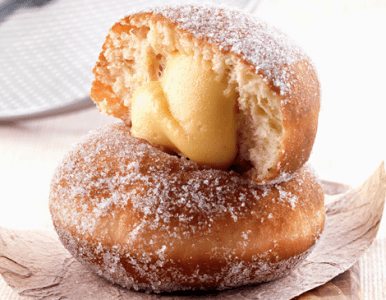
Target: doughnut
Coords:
[[203, 184], [157, 61], [151, 220]]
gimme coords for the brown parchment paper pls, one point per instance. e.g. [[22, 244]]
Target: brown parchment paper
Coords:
[[36, 265], [345, 286]]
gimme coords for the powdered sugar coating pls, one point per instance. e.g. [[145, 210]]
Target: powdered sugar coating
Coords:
[[153, 221], [257, 43]]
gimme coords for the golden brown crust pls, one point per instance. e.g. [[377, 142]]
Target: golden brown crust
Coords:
[[282, 67], [150, 220]]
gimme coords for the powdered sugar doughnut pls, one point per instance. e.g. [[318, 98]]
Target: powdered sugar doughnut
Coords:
[[278, 91], [149, 220]]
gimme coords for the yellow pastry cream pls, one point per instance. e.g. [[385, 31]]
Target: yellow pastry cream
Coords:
[[190, 110]]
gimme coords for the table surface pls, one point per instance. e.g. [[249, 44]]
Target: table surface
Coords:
[[346, 41]]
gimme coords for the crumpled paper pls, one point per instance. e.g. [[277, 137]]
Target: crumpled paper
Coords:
[[37, 266]]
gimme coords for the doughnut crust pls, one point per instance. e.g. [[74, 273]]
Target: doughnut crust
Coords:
[[150, 220], [278, 90]]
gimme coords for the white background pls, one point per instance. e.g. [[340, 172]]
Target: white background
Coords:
[[346, 41]]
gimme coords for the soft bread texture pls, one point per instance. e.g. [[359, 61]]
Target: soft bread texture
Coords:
[[278, 91], [149, 220]]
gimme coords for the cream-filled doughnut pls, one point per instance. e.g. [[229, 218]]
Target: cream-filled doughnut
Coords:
[[203, 186], [167, 70], [150, 220]]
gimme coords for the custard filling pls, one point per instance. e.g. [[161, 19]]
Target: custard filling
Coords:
[[190, 110]]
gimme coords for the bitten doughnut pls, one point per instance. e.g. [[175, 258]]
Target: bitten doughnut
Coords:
[[150, 220], [167, 70]]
